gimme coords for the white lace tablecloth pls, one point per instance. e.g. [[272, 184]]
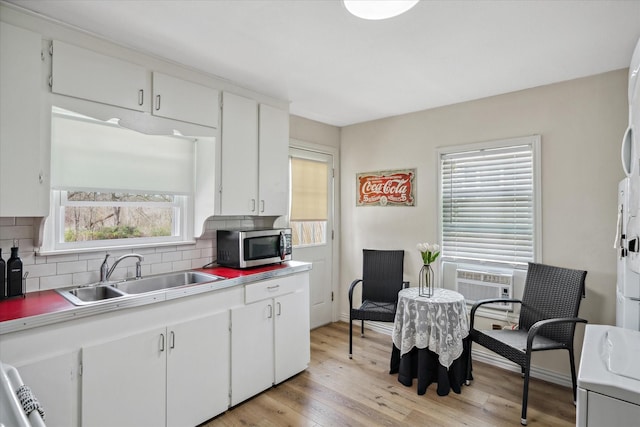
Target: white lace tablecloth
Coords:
[[438, 323]]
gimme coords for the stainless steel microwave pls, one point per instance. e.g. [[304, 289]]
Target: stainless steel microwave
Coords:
[[245, 248]]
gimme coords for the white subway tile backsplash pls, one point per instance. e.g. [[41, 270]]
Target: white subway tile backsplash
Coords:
[[16, 232], [146, 270], [161, 268], [32, 284], [171, 256], [72, 267], [40, 270], [7, 221], [151, 259], [24, 221], [54, 259], [191, 254], [200, 262], [52, 282], [204, 243], [56, 271], [145, 251], [85, 278], [92, 255], [181, 265]]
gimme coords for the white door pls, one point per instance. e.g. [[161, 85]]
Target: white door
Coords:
[[312, 226]]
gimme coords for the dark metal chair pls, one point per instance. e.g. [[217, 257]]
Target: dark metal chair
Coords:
[[548, 317], [382, 272]]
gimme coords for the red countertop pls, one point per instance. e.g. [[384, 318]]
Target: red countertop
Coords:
[[47, 302]]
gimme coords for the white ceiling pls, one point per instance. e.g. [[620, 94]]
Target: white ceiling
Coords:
[[341, 70]]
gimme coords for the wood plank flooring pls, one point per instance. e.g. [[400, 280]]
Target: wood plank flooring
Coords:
[[337, 391]]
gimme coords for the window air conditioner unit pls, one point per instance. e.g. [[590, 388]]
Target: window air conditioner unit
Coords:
[[479, 285]]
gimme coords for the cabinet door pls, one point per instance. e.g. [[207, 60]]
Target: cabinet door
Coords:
[[251, 350], [198, 370], [54, 383], [123, 381], [292, 341], [273, 179], [23, 190], [85, 74], [239, 163], [186, 101]]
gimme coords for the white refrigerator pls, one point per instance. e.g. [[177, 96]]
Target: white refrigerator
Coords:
[[628, 257], [627, 242]]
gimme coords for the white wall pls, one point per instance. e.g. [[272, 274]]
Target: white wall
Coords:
[[581, 123]]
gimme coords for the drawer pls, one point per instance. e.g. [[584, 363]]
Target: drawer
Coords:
[[271, 288]]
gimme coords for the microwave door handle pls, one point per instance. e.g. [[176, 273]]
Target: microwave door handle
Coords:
[[283, 245]]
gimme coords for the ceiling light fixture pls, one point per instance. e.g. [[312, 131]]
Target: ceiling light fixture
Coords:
[[378, 9]]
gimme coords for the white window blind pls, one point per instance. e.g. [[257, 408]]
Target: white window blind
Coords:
[[309, 190], [488, 199], [91, 155]]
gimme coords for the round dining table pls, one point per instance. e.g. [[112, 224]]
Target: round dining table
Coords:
[[430, 339]]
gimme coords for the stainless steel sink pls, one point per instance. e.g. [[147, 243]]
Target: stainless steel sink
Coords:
[[95, 293], [90, 294], [164, 281]]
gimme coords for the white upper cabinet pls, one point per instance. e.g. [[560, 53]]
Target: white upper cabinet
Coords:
[[274, 161], [85, 74], [239, 167], [23, 163], [255, 171], [178, 99]]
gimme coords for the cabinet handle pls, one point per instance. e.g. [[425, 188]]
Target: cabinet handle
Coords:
[[261, 205], [157, 102], [253, 205], [270, 312], [172, 341], [161, 342], [40, 177], [141, 97], [279, 309], [272, 288]]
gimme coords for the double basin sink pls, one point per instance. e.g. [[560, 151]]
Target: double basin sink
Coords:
[[84, 295]]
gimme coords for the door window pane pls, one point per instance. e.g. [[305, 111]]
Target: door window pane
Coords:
[[309, 193]]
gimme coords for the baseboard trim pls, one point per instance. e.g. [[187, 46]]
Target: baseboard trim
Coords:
[[481, 356]]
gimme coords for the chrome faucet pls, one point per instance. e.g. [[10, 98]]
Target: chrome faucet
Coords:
[[105, 271]]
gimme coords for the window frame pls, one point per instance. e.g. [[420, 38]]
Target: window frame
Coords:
[[55, 230], [535, 142]]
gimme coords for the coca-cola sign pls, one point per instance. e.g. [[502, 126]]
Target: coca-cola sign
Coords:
[[386, 188]]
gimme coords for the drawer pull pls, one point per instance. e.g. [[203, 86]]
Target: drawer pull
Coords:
[[273, 288]]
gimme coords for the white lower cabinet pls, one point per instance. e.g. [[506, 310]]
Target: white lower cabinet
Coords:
[[292, 345], [183, 368], [269, 335], [198, 370], [53, 380], [177, 363]]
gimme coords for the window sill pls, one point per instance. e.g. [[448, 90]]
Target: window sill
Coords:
[[113, 248]]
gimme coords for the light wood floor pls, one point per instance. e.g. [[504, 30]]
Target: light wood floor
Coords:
[[337, 391]]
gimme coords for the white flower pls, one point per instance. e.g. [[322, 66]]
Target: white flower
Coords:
[[423, 247]]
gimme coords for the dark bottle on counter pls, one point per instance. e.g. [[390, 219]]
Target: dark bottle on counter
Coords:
[[3, 288], [14, 274]]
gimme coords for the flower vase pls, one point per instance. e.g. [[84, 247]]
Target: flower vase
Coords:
[[425, 281]]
